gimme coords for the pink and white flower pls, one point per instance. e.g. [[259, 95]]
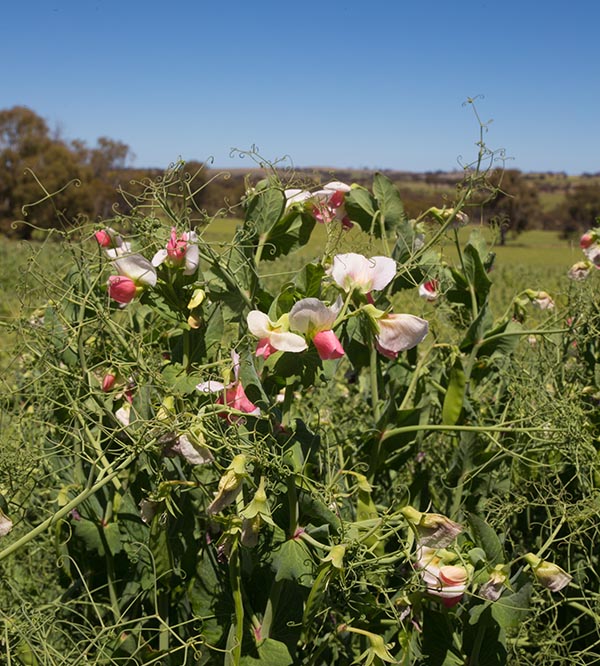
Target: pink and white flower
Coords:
[[232, 395], [354, 271], [579, 271], [314, 319], [329, 204], [112, 242], [447, 581], [395, 333], [326, 204], [181, 251], [273, 336], [429, 290], [135, 273]]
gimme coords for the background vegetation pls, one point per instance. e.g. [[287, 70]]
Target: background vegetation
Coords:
[[48, 181]]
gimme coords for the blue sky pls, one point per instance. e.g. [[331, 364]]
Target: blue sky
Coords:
[[377, 84]]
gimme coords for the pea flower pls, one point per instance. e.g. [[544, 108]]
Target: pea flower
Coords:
[[232, 395], [181, 251], [135, 273], [314, 319], [540, 299], [432, 530], [354, 271], [230, 484], [593, 254], [548, 574], [189, 449], [273, 336], [326, 204], [429, 290], [112, 242], [492, 589], [587, 240], [6, 524], [395, 333], [579, 271], [108, 382], [446, 581], [329, 204]]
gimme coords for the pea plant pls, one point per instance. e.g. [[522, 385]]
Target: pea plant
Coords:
[[275, 451]]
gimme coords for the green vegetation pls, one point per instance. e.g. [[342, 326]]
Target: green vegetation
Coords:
[[364, 494]]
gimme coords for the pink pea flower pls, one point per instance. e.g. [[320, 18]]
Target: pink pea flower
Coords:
[[586, 240], [135, 273], [329, 204], [232, 395], [108, 382], [273, 336], [181, 251], [354, 271], [446, 581], [432, 530], [113, 244], [314, 319], [429, 290]]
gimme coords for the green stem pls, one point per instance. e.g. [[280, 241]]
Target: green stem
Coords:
[[373, 375], [271, 609], [236, 589], [464, 428], [90, 490], [110, 575], [293, 506]]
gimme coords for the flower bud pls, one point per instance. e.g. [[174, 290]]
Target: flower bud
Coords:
[[108, 382], [548, 574], [230, 485]]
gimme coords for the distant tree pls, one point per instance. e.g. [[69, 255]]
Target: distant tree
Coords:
[[511, 202], [33, 166], [580, 208]]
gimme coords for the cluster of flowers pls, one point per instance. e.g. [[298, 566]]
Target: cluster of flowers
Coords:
[[314, 320], [326, 204], [590, 245], [447, 577], [309, 321], [134, 273]]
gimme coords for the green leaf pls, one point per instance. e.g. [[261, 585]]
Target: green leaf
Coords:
[[288, 234], [438, 640], [390, 203], [270, 653], [509, 610], [293, 561], [361, 207], [455, 394], [487, 539], [265, 209]]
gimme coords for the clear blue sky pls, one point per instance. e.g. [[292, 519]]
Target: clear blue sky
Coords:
[[377, 84]]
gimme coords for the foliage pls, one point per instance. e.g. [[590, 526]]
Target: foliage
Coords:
[[231, 469]]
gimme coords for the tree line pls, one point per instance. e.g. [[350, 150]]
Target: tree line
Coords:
[[47, 181]]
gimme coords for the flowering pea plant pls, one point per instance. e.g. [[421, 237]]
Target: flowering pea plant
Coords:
[[247, 470]]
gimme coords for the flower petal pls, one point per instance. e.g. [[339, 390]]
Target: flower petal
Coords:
[[328, 345], [399, 332], [137, 268], [258, 324], [311, 315]]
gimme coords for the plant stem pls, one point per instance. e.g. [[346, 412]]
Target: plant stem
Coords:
[[236, 590], [90, 490], [271, 608]]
